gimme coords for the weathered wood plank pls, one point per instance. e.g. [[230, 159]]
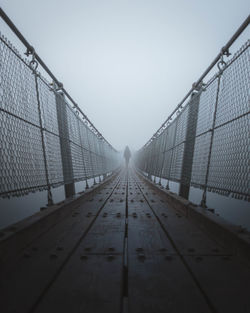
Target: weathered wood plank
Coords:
[[91, 284], [37, 265], [225, 279], [160, 285]]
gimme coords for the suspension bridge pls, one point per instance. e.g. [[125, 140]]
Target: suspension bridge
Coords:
[[127, 243]]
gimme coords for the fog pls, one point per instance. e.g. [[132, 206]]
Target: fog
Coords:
[[126, 63]]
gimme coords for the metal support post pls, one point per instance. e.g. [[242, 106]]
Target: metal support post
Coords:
[[189, 146], [68, 175]]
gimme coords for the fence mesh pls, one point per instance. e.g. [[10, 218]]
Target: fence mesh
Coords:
[[44, 142], [207, 143]]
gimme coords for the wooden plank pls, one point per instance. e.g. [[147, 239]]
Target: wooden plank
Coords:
[[158, 281], [225, 279], [188, 237], [161, 285], [92, 280], [35, 268], [92, 284]]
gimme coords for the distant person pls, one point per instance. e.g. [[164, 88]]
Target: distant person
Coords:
[[127, 155]]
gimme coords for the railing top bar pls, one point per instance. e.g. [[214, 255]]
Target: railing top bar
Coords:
[[12, 26], [224, 51]]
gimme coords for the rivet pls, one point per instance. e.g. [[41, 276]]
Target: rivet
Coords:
[[168, 258], [139, 249], [163, 249], [26, 255], [110, 257]]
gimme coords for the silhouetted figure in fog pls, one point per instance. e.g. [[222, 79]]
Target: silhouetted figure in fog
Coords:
[[127, 155]]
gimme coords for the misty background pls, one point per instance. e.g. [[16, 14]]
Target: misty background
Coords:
[[127, 64]]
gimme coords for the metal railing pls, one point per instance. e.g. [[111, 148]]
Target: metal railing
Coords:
[[205, 142], [45, 140]]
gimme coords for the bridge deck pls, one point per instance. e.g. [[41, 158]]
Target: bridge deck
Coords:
[[125, 250]]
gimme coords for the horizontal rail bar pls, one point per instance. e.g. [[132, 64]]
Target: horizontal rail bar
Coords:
[[12, 26], [223, 51]]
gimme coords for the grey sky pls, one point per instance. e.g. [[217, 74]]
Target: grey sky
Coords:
[[127, 63]]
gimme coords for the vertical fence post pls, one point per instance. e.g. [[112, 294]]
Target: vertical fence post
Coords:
[[189, 145], [68, 175], [49, 195], [204, 196], [171, 158], [81, 144]]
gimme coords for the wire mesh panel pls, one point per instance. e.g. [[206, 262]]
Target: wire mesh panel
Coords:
[[17, 85], [49, 120], [229, 165], [176, 163], [44, 143], [47, 101], [200, 159], [234, 89], [21, 157], [205, 119], [206, 145]]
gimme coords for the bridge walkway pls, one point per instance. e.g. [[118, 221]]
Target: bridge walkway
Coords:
[[125, 250]]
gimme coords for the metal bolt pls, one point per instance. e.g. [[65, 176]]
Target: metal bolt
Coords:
[[26, 255], [110, 257], [163, 249], [168, 258], [215, 250], [139, 249], [141, 256], [83, 257]]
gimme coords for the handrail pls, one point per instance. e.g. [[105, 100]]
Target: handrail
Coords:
[[224, 51], [31, 50]]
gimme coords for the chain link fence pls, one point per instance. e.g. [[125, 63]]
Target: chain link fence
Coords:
[[44, 142], [206, 144]]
